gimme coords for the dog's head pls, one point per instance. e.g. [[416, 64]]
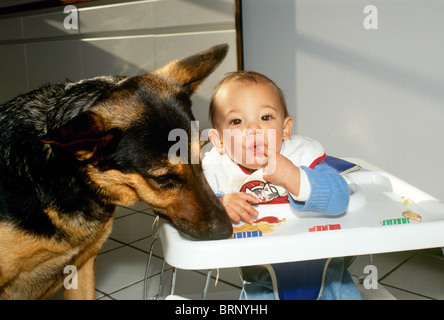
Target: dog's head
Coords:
[[122, 144]]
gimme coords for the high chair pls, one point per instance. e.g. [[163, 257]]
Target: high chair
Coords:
[[375, 196]]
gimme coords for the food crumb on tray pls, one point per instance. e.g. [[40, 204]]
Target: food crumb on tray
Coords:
[[411, 215], [265, 225]]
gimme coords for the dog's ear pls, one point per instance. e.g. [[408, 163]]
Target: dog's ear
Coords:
[[191, 71], [82, 136]]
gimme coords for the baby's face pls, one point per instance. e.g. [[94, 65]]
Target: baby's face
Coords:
[[251, 122]]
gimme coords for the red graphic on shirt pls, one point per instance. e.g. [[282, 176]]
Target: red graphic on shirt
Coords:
[[265, 192]]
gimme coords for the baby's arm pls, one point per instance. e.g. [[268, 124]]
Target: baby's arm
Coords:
[[329, 191], [238, 206]]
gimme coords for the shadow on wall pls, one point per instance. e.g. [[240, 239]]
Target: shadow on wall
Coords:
[[380, 70]]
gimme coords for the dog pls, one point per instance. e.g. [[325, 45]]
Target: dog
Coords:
[[70, 152]]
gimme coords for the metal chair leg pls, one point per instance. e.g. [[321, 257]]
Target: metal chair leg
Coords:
[[145, 282], [173, 281], [207, 284], [162, 272], [173, 278]]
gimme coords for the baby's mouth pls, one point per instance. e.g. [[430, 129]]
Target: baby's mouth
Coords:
[[257, 148]]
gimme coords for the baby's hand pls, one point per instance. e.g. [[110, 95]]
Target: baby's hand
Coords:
[[281, 171], [238, 206], [278, 169]]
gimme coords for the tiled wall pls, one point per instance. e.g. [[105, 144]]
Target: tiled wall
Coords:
[[128, 38]]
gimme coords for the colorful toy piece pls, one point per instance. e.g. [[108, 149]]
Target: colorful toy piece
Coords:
[[390, 222], [247, 234], [325, 227]]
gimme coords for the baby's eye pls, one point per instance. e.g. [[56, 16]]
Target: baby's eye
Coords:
[[266, 117], [236, 121]]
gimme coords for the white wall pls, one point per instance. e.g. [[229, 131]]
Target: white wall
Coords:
[[372, 94]]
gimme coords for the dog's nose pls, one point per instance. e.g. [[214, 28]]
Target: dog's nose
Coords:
[[222, 230]]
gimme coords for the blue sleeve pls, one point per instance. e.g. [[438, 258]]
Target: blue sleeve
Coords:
[[329, 191]]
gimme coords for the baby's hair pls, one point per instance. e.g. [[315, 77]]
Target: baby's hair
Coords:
[[250, 77]]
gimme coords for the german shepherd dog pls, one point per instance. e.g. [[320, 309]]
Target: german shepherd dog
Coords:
[[71, 152]]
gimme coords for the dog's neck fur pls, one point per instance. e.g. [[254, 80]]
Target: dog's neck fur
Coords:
[[30, 172]]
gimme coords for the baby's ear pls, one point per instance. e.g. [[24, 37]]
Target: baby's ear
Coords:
[[288, 127], [216, 140]]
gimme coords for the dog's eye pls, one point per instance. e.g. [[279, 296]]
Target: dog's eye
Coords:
[[168, 181]]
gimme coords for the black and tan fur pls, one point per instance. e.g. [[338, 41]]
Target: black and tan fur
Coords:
[[71, 152]]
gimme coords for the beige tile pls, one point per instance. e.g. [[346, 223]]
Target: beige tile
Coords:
[[379, 292], [122, 267], [131, 16], [384, 262], [132, 227], [11, 29], [135, 292], [110, 245], [404, 295], [53, 61], [47, 25], [122, 212], [145, 245], [13, 70], [126, 56], [184, 13], [140, 206], [422, 274]]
